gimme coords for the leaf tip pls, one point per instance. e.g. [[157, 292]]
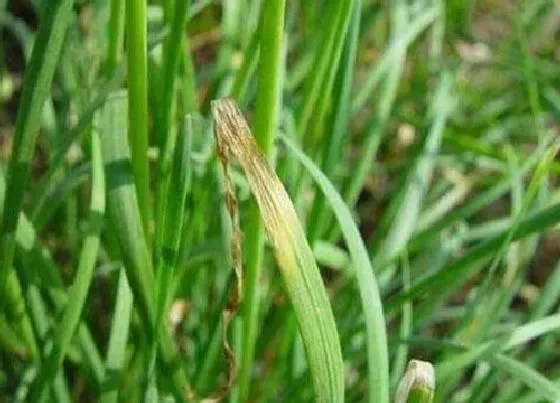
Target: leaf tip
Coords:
[[418, 383]]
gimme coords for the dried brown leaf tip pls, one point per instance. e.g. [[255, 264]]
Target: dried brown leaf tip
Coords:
[[236, 295], [293, 254], [233, 137]]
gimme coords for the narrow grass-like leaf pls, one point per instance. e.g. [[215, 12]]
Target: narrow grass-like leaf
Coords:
[[337, 16], [187, 88], [401, 355], [532, 330], [124, 217], [519, 336], [137, 53], [78, 292], [390, 68], [369, 293], [411, 203], [269, 101], [37, 82], [205, 376], [314, 131], [16, 311], [396, 47], [452, 366], [376, 128], [122, 208], [170, 66], [165, 131], [529, 75], [338, 126], [378, 361], [34, 255], [549, 295], [28, 243], [39, 195], [246, 70], [115, 360], [466, 210], [173, 221], [9, 340], [39, 315], [530, 397], [456, 272], [536, 381], [496, 298], [19, 29], [59, 192], [332, 256], [294, 256], [232, 14], [540, 172], [116, 35]]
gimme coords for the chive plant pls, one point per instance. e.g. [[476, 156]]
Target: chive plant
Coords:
[[268, 100], [381, 188]]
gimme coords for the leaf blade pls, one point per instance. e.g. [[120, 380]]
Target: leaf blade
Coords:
[[294, 256]]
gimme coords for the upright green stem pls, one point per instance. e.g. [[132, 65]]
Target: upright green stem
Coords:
[[266, 121], [136, 31], [167, 6], [270, 76], [116, 36], [187, 87], [337, 127], [172, 56], [78, 292], [17, 315], [337, 15], [164, 126], [37, 83], [254, 235]]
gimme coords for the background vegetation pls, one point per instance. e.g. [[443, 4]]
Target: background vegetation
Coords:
[[417, 140]]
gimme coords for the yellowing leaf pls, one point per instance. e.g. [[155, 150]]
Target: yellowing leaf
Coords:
[[293, 254]]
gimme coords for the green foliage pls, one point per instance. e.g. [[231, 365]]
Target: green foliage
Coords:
[[417, 141]]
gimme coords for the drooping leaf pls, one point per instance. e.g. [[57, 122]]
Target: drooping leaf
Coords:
[[293, 254]]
